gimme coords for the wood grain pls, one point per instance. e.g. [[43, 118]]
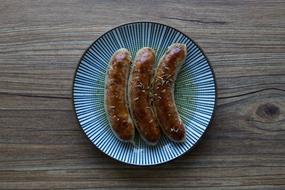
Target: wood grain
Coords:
[[41, 144]]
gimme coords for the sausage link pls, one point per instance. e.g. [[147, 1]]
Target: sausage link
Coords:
[[139, 96], [163, 90], [116, 105]]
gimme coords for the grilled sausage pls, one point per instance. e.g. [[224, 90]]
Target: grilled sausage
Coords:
[[163, 90], [139, 96], [116, 105]]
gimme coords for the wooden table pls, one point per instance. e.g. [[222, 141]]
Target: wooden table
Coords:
[[41, 144]]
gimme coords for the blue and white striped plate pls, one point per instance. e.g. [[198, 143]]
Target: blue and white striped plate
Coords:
[[195, 92]]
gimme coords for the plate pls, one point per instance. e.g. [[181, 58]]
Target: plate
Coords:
[[195, 92]]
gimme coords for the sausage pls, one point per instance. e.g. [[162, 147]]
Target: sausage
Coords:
[[115, 96], [163, 91], [140, 97]]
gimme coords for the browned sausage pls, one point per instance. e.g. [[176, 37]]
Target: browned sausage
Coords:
[[163, 90], [139, 96], [116, 105]]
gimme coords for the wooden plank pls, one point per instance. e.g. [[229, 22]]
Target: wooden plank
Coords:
[[41, 144]]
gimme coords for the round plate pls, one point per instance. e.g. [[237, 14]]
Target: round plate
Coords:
[[195, 92]]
